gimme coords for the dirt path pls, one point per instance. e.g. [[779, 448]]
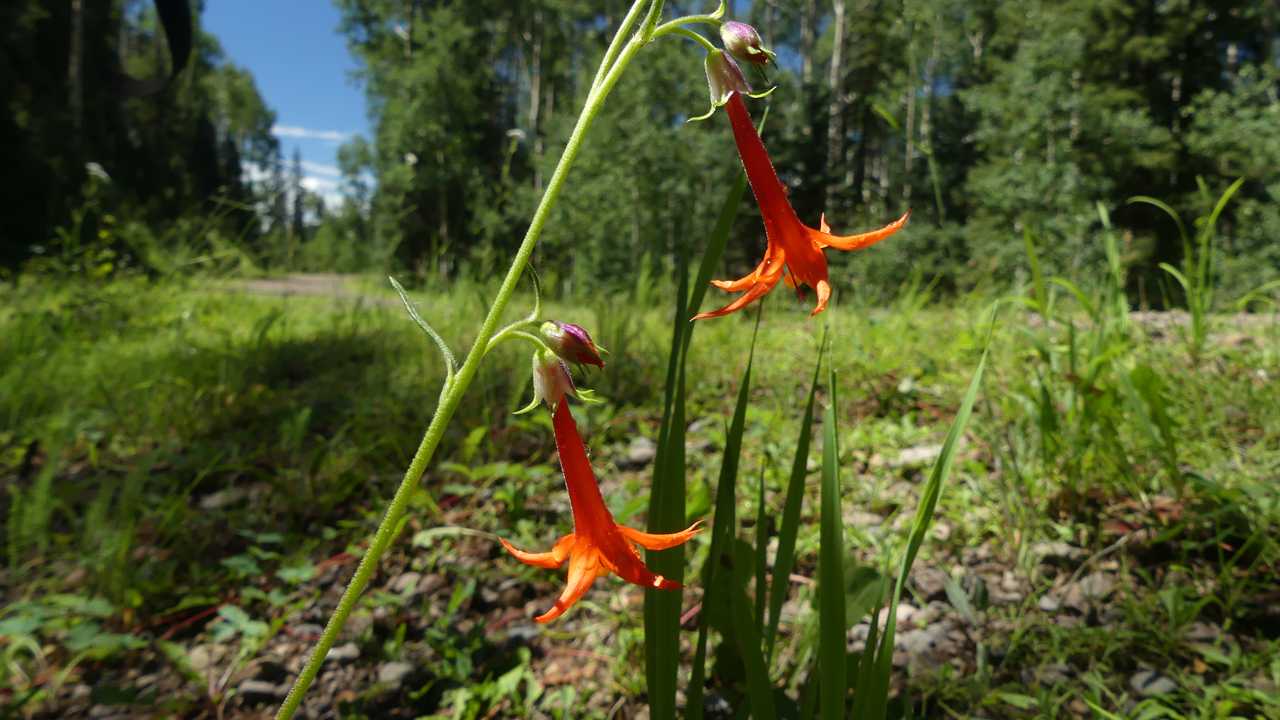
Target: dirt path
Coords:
[[315, 285]]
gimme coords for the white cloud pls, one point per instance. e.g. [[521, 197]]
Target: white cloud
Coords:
[[294, 131], [317, 169], [330, 190]]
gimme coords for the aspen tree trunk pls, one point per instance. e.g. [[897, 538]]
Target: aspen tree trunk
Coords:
[[808, 31], [535, 97], [835, 111], [75, 67], [442, 208], [408, 29]]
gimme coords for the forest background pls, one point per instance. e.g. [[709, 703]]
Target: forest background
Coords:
[[990, 118]]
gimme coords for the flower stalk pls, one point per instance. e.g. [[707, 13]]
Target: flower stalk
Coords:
[[615, 62]]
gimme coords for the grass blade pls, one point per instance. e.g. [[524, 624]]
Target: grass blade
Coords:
[[831, 626], [666, 514], [715, 246], [722, 539], [878, 690], [790, 525], [759, 689], [762, 562]]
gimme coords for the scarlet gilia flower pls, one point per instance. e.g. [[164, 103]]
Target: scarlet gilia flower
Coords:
[[795, 250], [551, 381], [571, 343], [598, 545], [743, 42]]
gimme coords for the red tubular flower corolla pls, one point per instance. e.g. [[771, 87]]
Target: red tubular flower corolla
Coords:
[[598, 545], [794, 250]]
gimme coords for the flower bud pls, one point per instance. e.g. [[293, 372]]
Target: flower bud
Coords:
[[743, 42], [551, 380], [571, 343], [724, 78]]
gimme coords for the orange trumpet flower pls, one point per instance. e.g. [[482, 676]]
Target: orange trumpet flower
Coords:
[[598, 545], [795, 250]]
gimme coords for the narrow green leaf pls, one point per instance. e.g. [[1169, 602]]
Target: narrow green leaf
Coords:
[[1182, 229], [1081, 298], [1037, 279], [715, 246], [449, 362], [959, 599], [878, 695], [759, 689], [698, 676], [862, 689], [790, 525], [809, 703], [714, 595], [831, 626], [666, 514], [762, 544]]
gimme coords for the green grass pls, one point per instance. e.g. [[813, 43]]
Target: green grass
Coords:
[[126, 407]]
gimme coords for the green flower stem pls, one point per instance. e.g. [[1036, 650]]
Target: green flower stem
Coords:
[[705, 43], [452, 396], [710, 19]]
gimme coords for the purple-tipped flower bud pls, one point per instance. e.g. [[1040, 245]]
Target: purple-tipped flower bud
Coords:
[[724, 78], [551, 380], [571, 343], [743, 42]]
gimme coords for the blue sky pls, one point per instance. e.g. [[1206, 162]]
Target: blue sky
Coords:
[[303, 71]]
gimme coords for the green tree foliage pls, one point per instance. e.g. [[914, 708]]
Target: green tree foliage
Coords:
[[173, 157], [987, 117]]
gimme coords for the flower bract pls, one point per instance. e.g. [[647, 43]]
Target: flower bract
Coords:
[[598, 546], [551, 381]]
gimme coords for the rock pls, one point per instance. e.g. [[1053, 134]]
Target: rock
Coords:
[[1088, 590], [1201, 631], [916, 456], [223, 498], [429, 584], [1057, 552], [1049, 604], [269, 669], [698, 425], [343, 654], [394, 673], [306, 631], [903, 617], [1149, 683], [642, 452], [257, 691], [74, 579], [406, 581], [929, 581], [1237, 339], [1047, 676], [525, 633], [930, 613], [698, 445], [860, 519], [715, 706], [203, 657], [941, 531], [924, 640]]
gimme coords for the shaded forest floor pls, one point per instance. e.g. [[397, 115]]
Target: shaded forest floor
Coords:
[[192, 472]]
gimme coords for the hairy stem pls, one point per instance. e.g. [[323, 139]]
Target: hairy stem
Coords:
[[452, 397]]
